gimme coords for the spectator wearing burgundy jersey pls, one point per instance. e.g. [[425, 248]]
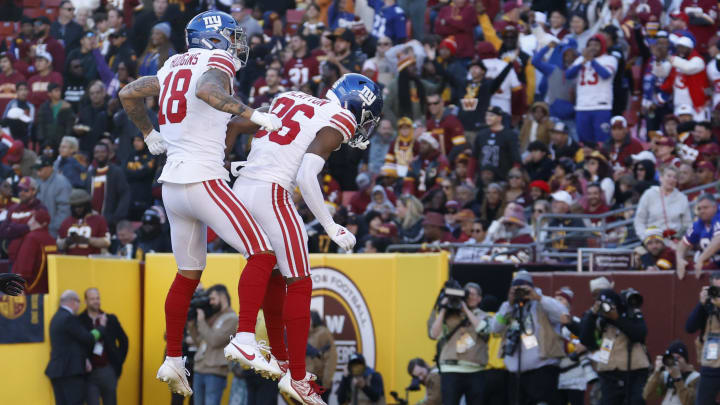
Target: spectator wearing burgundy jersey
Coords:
[[43, 41], [9, 77], [15, 225], [621, 145], [84, 232], [39, 82], [458, 19], [302, 67], [659, 256], [445, 127], [108, 187], [28, 254]]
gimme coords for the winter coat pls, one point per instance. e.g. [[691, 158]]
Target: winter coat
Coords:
[[671, 212]]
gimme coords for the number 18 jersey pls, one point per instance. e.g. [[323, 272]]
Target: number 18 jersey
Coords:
[[276, 156], [193, 130]]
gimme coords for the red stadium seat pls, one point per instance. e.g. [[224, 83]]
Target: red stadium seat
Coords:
[[34, 12], [7, 28], [31, 3], [52, 3]]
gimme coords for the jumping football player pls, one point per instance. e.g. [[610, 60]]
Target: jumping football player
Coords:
[[195, 106], [295, 154]]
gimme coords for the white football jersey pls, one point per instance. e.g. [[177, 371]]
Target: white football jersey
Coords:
[[194, 131], [594, 92], [276, 156], [503, 96], [714, 76]]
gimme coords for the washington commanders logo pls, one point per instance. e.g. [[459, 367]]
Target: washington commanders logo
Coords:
[[12, 307], [342, 306], [212, 22]]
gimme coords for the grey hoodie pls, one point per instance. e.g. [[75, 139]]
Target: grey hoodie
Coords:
[[666, 212]]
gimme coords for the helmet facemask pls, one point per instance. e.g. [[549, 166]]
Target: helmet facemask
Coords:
[[364, 130], [239, 48]]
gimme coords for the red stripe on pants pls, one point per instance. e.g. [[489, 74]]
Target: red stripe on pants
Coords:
[[256, 229], [208, 186], [276, 208], [293, 232]]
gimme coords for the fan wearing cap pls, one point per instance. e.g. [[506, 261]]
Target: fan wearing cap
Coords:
[[39, 82], [360, 383], [703, 140], [532, 345], [434, 229], [303, 67], [15, 223], [29, 253], [428, 167], [562, 145], [121, 49], [44, 40], [512, 228], [659, 256], [621, 144], [342, 54], [479, 89], [687, 79], [536, 125], [54, 192], [705, 173], [389, 20], [538, 164], [699, 235], [562, 201], [675, 382], [559, 92], [496, 145], [594, 70], [151, 236], [84, 232], [458, 19]]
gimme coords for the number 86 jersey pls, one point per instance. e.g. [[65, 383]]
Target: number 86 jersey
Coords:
[[194, 131], [276, 156]]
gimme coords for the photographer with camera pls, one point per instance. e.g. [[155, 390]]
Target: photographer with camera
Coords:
[[705, 317], [421, 373], [212, 320], [673, 379], [615, 329], [360, 385], [532, 344], [461, 330]]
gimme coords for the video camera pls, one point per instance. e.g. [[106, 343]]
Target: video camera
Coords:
[[200, 300], [453, 291]]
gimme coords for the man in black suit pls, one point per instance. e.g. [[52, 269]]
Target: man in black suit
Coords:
[[108, 353], [70, 345]]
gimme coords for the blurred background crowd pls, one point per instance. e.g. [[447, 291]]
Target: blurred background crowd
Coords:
[[512, 131]]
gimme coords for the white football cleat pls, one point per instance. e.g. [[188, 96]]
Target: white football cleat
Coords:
[[280, 368], [174, 373], [306, 391], [251, 356]]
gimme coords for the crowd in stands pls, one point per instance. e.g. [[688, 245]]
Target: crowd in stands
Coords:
[[495, 113]]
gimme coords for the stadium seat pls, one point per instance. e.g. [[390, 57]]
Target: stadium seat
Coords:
[[34, 12], [7, 28], [52, 3], [294, 16], [31, 3]]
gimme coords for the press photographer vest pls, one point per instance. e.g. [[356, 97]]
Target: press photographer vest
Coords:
[[465, 345], [671, 396], [618, 359], [710, 356], [363, 399], [550, 343]]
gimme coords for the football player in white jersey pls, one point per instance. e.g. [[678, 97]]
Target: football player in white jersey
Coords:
[[195, 105], [294, 155], [593, 107]]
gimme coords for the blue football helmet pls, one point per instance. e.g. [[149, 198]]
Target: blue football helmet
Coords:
[[363, 98], [218, 30]]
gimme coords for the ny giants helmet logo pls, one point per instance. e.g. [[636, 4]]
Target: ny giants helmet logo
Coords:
[[212, 22], [367, 96]]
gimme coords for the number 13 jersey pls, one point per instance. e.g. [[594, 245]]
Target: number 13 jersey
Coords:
[[276, 156], [193, 130]]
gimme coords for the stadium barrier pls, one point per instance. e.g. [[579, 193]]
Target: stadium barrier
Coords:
[[377, 304]]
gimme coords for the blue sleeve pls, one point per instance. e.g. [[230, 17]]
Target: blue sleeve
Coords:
[[692, 235], [106, 75], [540, 64], [332, 15], [697, 319], [573, 71], [601, 71], [375, 4], [399, 30]]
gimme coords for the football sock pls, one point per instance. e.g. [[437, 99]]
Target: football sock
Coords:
[[176, 309], [273, 311], [296, 315], [251, 289]]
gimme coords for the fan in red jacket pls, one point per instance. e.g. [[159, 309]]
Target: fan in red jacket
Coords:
[[29, 253], [687, 79], [702, 20], [445, 127], [458, 19], [15, 224]]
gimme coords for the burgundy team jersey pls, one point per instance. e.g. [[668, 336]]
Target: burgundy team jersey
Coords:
[[92, 226], [301, 70]]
